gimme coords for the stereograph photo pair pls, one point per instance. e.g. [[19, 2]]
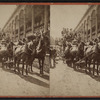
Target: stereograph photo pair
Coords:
[[49, 50]]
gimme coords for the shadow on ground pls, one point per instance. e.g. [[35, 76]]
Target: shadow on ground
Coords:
[[82, 70], [29, 78]]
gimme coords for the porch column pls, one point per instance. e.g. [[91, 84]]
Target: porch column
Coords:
[[45, 18], [86, 31], [90, 29], [24, 23], [18, 28], [14, 31], [96, 27], [33, 19]]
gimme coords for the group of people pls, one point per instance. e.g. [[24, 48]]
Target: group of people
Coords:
[[25, 41], [67, 34], [76, 40]]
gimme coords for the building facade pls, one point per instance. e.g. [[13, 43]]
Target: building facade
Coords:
[[26, 20], [89, 26]]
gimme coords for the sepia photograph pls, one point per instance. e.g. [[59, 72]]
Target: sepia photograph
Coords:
[[24, 50], [49, 50], [75, 50]]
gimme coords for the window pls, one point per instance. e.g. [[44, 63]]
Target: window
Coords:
[[98, 18], [28, 15], [39, 15], [21, 18], [89, 22], [16, 22], [16, 25]]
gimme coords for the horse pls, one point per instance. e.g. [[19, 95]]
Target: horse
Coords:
[[96, 57], [77, 53], [72, 53], [30, 51], [9, 61], [92, 53], [6, 52], [80, 54], [23, 52], [67, 53], [10, 47], [3, 55], [88, 56], [40, 52]]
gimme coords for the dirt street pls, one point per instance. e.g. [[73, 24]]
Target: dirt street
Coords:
[[12, 84], [65, 81]]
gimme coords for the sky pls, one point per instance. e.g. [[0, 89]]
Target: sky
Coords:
[[67, 16], [5, 13]]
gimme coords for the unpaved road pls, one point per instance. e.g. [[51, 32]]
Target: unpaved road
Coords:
[[14, 84], [65, 81]]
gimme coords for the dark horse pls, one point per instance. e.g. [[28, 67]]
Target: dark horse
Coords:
[[77, 53], [40, 52]]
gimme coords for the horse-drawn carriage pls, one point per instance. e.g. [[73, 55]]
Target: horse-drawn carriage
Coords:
[[83, 55], [15, 54]]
